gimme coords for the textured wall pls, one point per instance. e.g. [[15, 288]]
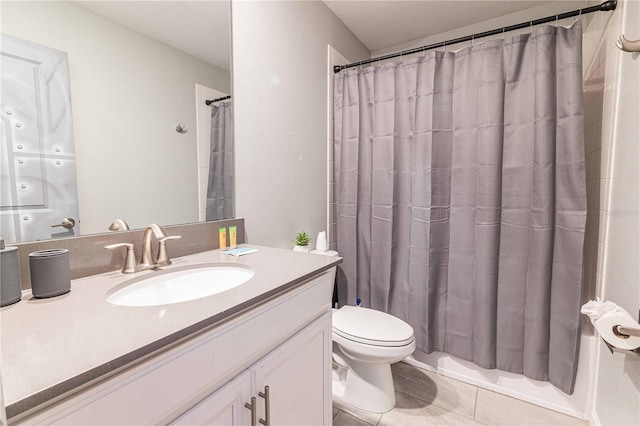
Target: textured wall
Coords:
[[280, 96]]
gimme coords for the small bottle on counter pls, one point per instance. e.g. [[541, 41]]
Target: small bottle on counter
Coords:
[[10, 291], [232, 235], [222, 237]]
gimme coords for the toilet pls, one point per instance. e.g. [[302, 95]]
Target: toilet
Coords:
[[365, 344]]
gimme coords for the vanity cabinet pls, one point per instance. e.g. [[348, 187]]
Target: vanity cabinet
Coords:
[[284, 343], [298, 395], [285, 382], [225, 407]]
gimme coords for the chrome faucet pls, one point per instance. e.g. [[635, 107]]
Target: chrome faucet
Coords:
[[147, 260], [119, 225]]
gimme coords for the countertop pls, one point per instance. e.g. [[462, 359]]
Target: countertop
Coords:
[[52, 346]]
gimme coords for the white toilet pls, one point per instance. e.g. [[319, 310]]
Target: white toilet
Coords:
[[365, 344]]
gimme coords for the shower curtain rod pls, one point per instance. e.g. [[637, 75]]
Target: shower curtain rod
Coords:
[[603, 7], [210, 101]]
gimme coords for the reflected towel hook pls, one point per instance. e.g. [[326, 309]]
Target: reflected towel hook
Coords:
[[628, 45]]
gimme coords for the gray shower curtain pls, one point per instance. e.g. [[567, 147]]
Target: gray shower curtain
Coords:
[[461, 201], [220, 186]]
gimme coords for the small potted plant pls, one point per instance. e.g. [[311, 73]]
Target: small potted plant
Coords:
[[302, 242]]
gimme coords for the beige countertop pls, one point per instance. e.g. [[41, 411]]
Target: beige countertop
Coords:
[[49, 347]]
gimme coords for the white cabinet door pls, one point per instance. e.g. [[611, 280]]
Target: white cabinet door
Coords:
[[298, 376], [225, 407]]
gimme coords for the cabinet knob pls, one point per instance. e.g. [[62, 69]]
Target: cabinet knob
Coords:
[[265, 395], [252, 408]]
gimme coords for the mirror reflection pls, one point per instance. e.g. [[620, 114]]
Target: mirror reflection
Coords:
[[104, 116]]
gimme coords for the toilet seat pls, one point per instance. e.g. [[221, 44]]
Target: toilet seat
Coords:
[[371, 327]]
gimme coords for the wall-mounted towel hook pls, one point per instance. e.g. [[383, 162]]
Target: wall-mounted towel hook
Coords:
[[181, 128], [628, 45]]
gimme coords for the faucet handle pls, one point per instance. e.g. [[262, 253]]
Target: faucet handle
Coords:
[[170, 237], [130, 260], [163, 257]]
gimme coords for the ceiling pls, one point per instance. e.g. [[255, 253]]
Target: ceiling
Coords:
[[199, 28], [381, 24], [202, 28]]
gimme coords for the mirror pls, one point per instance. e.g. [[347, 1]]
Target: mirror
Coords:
[[139, 73]]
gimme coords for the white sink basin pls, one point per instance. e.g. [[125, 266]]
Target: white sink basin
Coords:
[[180, 284]]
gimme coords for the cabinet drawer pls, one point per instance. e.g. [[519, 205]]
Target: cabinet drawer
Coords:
[[163, 387]]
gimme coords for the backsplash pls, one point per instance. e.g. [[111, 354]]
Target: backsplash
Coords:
[[87, 255]]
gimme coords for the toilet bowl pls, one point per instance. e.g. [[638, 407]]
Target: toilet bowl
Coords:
[[365, 344]]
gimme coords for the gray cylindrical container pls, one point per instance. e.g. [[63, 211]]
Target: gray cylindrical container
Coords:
[[10, 291], [49, 273]]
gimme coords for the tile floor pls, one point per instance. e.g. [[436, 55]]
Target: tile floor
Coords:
[[426, 398]]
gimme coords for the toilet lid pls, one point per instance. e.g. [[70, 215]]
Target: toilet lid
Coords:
[[371, 327]]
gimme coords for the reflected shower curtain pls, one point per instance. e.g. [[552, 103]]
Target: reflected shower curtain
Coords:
[[461, 199], [220, 186]]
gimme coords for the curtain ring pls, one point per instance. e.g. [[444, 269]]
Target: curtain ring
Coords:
[[530, 27], [472, 36], [579, 15], [502, 33], [556, 21], [445, 45]]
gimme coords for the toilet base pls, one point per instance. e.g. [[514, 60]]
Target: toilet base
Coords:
[[368, 387]]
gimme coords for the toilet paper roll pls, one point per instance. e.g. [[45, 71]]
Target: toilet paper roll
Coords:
[[605, 326]]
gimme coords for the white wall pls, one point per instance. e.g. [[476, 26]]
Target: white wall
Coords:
[[280, 112], [128, 93], [614, 166]]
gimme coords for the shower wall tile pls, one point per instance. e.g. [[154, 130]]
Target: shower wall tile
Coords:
[[332, 232], [599, 95], [592, 137], [605, 163], [333, 58], [332, 215]]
